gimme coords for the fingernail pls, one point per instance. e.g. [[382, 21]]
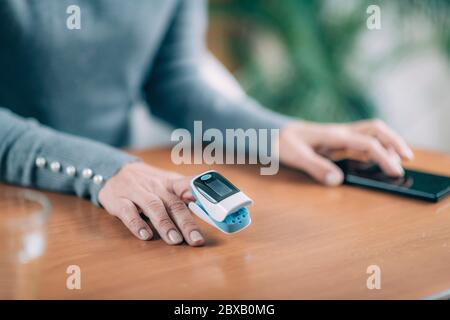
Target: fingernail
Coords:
[[399, 169], [196, 236], [409, 154], [144, 234], [174, 236], [332, 179]]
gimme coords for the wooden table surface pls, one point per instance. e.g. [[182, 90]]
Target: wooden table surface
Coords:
[[306, 241]]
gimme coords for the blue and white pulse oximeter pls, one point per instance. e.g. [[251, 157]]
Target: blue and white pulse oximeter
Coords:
[[219, 202]]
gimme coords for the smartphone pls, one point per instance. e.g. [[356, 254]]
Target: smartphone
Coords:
[[415, 184]]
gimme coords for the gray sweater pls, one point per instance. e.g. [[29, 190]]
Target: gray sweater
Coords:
[[66, 94]]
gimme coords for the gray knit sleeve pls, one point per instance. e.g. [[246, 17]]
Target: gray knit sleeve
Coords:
[[178, 90], [36, 156]]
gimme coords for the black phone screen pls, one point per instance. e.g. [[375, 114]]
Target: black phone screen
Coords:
[[215, 186], [417, 184]]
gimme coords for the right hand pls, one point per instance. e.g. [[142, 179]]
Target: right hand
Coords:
[[307, 145], [160, 195]]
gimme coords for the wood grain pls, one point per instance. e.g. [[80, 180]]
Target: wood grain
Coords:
[[306, 241]]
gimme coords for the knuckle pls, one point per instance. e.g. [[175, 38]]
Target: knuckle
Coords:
[[373, 145], [153, 204], [132, 222], [125, 209], [159, 214], [164, 223], [180, 184], [378, 124], [177, 206], [155, 184], [339, 133], [188, 224]]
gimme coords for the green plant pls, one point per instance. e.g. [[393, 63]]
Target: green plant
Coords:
[[315, 83]]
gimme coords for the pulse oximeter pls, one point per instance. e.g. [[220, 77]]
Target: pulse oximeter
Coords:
[[219, 202]]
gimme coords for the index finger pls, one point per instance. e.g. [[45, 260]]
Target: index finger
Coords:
[[181, 187]]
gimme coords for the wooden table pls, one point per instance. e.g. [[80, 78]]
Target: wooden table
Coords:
[[306, 241]]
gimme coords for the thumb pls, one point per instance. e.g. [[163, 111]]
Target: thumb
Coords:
[[182, 188]]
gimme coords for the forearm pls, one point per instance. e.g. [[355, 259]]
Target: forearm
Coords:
[[180, 88], [37, 156], [186, 94]]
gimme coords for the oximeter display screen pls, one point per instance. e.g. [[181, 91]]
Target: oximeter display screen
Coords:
[[214, 186], [219, 187]]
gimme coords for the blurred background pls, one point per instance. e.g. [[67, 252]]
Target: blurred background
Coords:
[[318, 60]]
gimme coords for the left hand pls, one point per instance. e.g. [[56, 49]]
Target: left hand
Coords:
[[305, 145], [158, 194]]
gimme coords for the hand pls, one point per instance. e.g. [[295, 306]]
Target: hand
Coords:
[[158, 194], [303, 145]]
